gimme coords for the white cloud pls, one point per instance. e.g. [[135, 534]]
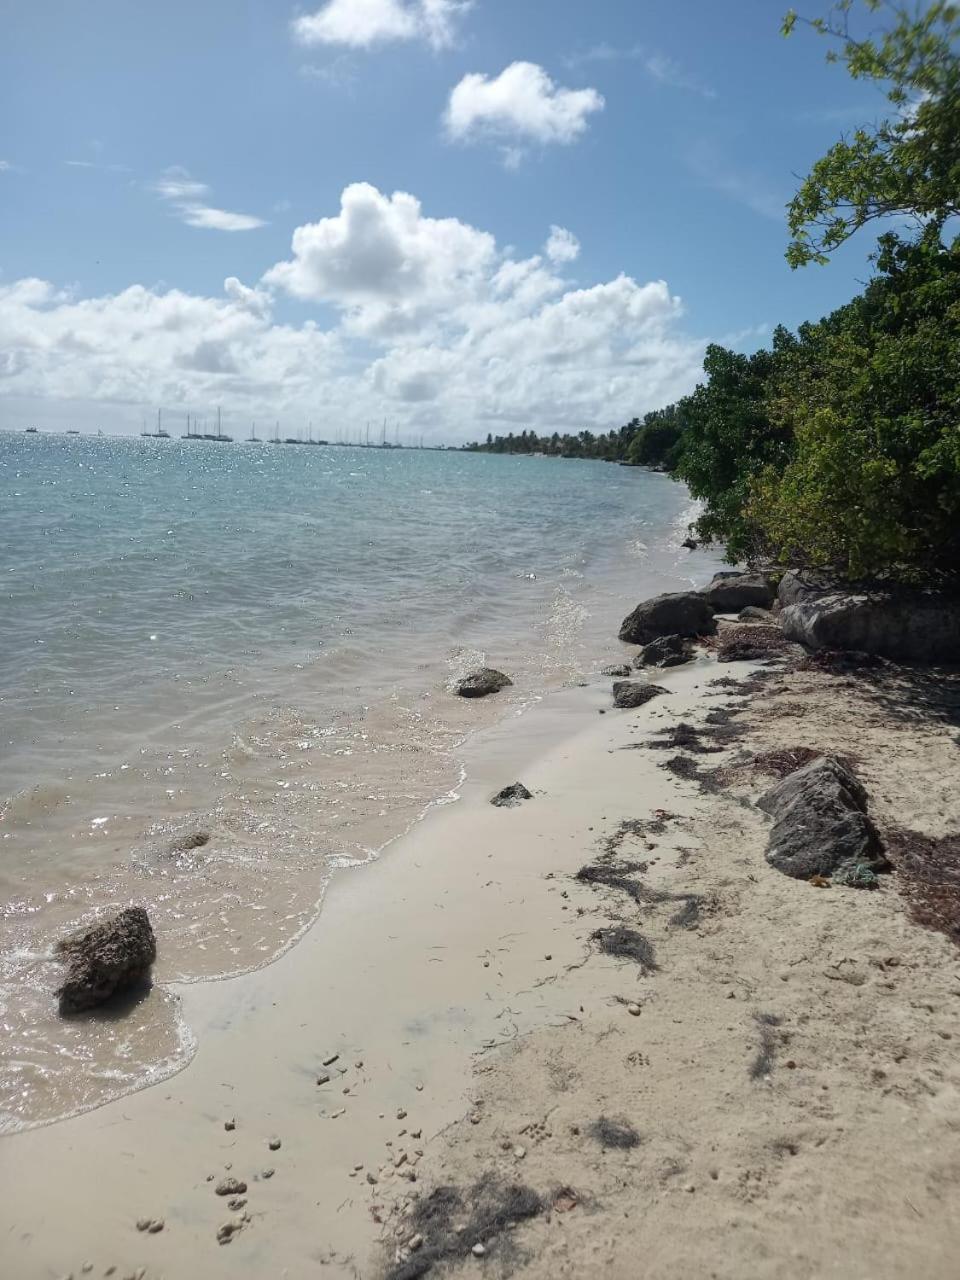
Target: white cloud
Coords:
[[383, 263], [360, 24], [186, 195], [5, 165], [522, 102], [562, 245], [426, 319]]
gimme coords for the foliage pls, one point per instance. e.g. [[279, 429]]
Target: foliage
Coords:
[[872, 396], [909, 163]]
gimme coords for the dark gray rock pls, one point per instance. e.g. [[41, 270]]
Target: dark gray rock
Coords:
[[515, 794], [691, 544], [754, 614], [481, 682], [917, 626], [683, 613], [820, 825], [731, 592], [665, 651], [796, 586], [616, 669], [632, 693], [106, 958]]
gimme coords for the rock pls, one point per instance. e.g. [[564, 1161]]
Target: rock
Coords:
[[274, 1144], [616, 669], [631, 693], [691, 544], [107, 957], [510, 796], [907, 626], [684, 613], [478, 1250], [230, 1187], [665, 651], [820, 826], [731, 592], [796, 586], [752, 613], [481, 682]]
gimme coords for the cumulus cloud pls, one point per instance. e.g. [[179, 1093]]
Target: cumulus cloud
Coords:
[[562, 245], [426, 319], [523, 103], [187, 196], [360, 24]]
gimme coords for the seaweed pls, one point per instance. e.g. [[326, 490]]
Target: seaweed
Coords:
[[689, 914], [451, 1222], [928, 873], [626, 944], [618, 878], [762, 1064], [619, 1134]]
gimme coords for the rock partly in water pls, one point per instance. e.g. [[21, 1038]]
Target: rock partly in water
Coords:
[[907, 626], [683, 613], [729, 592], [515, 794], [821, 826], [481, 682], [106, 958], [665, 651], [691, 544], [632, 693], [616, 669]]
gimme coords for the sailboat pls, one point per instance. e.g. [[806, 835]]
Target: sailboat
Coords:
[[253, 438], [219, 438], [159, 434]]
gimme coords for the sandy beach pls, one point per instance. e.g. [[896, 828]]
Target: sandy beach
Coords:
[[769, 1087]]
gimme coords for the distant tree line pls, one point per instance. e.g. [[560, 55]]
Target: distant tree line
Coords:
[[839, 446]]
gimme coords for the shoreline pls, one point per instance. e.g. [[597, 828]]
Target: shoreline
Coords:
[[459, 971]]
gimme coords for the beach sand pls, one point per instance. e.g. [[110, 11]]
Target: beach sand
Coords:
[[785, 1058]]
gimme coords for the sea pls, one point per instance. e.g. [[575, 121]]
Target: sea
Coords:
[[226, 671]]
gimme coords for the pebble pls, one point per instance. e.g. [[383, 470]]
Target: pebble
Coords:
[[415, 1133], [690, 1187], [419, 1088], [237, 1203], [548, 957], [335, 1115], [230, 1187], [358, 1065], [323, 1077], [401, 1114], [478, 1250], [415, 1242], [274, 1144], [328, 1062], [267, 1173], [153, 1225], [634, 1010], [372, 1179], [229, 1125], [519, 1152]]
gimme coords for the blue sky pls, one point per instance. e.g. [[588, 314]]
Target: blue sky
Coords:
[[151, 152]]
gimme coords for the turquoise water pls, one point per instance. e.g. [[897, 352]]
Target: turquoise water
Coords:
[[256, 643]]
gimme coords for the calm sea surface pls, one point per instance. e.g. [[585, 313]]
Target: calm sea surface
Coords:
[[225, 670]]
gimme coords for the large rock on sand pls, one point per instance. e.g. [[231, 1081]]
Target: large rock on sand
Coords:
[[633, 693], [667, 651], [731, 592], [481, 682], [914, 626], [680, 613], [820, 826], [105, 958]]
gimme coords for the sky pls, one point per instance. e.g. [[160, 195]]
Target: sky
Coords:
[[462, 217]]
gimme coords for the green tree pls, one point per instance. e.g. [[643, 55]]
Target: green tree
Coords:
[[909, 163]]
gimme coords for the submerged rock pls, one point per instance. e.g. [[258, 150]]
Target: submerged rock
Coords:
[[665, 651], [616, 669], [515, 794], [729, 592], [683, 613], [821, 827], [633, 693], [106, 958], [481, 682]]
